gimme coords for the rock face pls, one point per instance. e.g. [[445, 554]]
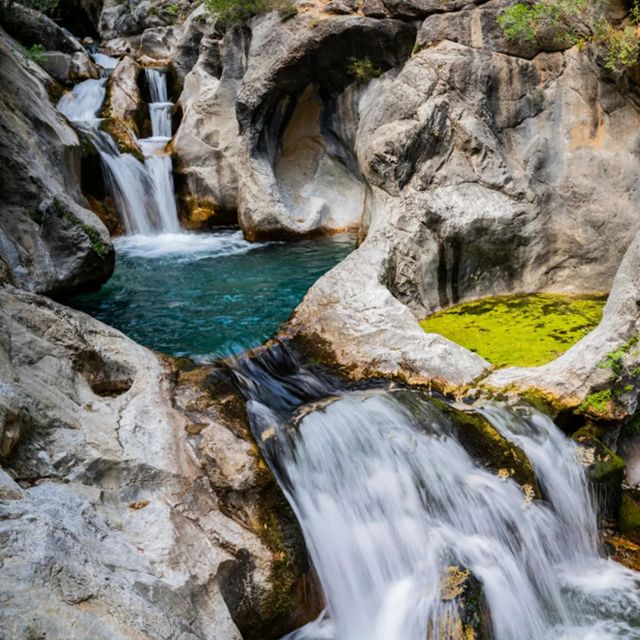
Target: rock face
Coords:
[[267, 133], [484, 174], [112, 501], [63, 57], [49, 242]]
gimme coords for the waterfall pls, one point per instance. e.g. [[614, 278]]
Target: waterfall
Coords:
[[388, 499], [143, 193], [157, 160]]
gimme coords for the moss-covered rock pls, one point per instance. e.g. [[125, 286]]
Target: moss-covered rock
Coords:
[[486, 445], [471, 618], [519, 330], [605, 469], [629, 518]]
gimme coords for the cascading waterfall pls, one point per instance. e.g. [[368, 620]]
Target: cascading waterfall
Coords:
[[143, 193], [388, 499], [157, 160]]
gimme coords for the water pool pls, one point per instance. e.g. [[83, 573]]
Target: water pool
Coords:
[[208, 295]]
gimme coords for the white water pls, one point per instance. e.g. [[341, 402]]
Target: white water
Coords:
[[157, 159], [104, 61], [387, 499], [184, 247], [143, 193]]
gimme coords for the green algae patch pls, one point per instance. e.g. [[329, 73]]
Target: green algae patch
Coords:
[[519, 330]]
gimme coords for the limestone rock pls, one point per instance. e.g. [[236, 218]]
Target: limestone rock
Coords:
[[48, 240], [124, 109], [111, 526], [484, 173]]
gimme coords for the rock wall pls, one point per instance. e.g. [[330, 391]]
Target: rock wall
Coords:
[[49, 241]]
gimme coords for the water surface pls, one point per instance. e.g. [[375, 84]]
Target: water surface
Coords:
[[207, 295]]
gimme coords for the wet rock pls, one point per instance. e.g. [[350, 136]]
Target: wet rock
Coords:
[[124, 109], [49, 241], [605, 469], [30, 27], [68, 69]]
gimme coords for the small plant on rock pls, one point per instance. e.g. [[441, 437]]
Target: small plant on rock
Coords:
[[363, 70], [576, 22], [239, 10], [35, 53]]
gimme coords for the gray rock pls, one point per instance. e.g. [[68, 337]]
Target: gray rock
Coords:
[[341, 7], [111, 526], [48, 240], [68, 69], [124, 108], [485, 174], [289, 68], [30, 27]]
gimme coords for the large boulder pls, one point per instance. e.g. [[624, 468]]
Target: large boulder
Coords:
[[49, 241], [485, 176], [121, 515]]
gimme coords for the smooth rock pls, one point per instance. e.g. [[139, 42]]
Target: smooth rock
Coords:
[[48, 240]]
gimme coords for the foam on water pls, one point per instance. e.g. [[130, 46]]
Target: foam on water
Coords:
[[388, 499], [185, 246]]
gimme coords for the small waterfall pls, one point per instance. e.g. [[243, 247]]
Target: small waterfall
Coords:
[[143, 193], [157, 160], [388, 499]]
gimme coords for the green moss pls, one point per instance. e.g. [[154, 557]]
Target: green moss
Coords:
[[485, 444], [629, 519], [97, 244], [520, 330], [597, 403]]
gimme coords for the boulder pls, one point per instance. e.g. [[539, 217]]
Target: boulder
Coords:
[[68, 69], [30, 27], [117, 516], [49, 241], [124, 109], [483, 174]]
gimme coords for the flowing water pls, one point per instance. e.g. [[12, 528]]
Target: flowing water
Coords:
[[143, 193], [156, 157], [388, 499]]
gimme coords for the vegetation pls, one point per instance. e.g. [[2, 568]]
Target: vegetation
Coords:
[[96, 241], [518, 330], [35, 53], [603, 402], [363, 70], [44, 6], [571, 22], [239, 10]]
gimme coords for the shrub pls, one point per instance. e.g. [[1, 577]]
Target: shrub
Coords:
[[559, 19], [363, 70], [35, 53], [239, 10]]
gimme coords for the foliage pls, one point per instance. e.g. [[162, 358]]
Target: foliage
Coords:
[[171, 8], [597, 402], [561, 20], [614, 359], [35, 53], [44, 6], [363, 70], [239, 10], [527, 330]]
